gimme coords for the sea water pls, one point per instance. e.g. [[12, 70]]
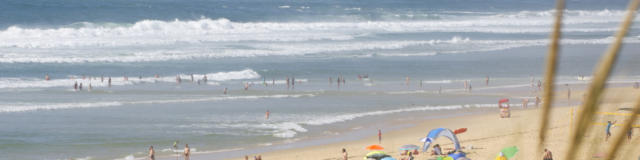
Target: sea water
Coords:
[[144, 47]]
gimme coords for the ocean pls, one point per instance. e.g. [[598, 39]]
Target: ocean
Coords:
[[142, 66]]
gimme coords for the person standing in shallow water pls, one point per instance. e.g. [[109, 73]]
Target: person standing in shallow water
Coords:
[[266, 115], [152, 153], [187, 152]]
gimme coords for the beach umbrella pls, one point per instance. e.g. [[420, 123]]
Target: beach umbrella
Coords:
[[372, 153], [409, 147], [375, 147], [509, 151]]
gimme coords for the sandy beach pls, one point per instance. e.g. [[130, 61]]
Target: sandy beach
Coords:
[[487, 134]]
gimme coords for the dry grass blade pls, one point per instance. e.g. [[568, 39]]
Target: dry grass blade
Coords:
[[601, 74], [617, 141], [549, 78]]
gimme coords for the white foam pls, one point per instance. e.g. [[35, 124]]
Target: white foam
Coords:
[[10, 82], [129, 157], [346, 117], [23, 107], [155, 32]]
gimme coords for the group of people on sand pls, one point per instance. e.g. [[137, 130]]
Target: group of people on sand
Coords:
[[186, 153], [608, 130], [257, 157]]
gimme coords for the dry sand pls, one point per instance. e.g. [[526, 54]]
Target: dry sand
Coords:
[[487, 134]]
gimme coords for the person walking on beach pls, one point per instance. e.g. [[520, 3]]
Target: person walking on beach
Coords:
[[379, 136], [525, 102], [75, 86], [547, 155], [537, 101], [629, 133], [187, 152], [345, 155], [608, 129], [46, 77], [152, 153]]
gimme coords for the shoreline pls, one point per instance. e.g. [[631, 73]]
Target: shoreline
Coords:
[[486, 135]]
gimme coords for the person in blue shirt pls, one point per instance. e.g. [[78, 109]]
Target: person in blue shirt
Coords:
[[608, 129]]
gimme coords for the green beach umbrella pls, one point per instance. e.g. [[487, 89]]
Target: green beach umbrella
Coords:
[[509, 152]]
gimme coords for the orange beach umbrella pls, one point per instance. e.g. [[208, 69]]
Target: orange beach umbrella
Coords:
[[375, 147]]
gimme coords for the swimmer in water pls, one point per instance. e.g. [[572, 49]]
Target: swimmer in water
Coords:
[[225, 90], [75, 86], [178, 80], [80, 86], [191, 77], [109, 81], [101, 78]]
